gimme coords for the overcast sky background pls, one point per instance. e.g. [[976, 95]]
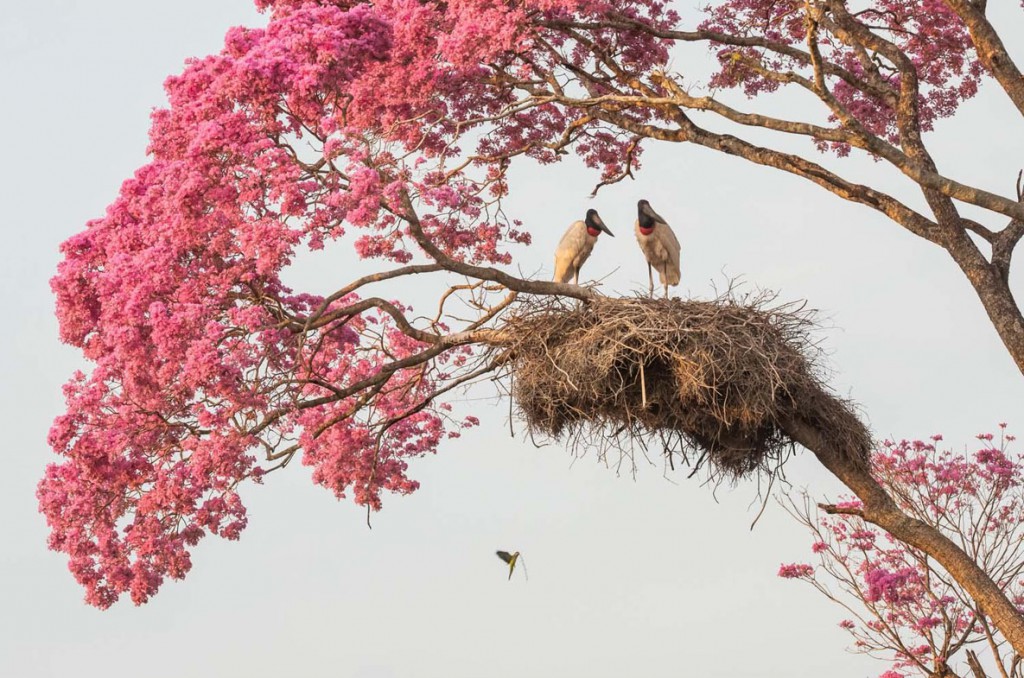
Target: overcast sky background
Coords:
[[652, 577]]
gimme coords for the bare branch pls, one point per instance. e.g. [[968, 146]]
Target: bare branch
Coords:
[[833, 509]]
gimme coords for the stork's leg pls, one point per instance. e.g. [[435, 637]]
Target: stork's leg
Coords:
[[650, 275], [666, 290], [575, 276]]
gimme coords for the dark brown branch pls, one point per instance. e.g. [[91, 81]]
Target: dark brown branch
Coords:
[[1003, 246], [1006, 240], [408, 213], [362, 305], [986, 233], [373, 278], [794, 164], [975, 665], [834, 510], [383, 375]]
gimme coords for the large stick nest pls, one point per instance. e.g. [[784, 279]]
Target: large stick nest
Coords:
[[723, 378]]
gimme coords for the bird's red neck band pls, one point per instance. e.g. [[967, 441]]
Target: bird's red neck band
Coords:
[[647, 231], [593, 231]]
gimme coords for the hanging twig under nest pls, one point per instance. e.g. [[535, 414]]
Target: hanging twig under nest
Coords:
[[722, 378]]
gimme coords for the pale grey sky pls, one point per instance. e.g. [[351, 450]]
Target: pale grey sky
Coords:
[[646, 577]]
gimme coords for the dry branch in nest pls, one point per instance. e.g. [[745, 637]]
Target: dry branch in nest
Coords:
[[724, 378]]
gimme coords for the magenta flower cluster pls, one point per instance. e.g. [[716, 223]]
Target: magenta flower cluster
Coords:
[[933, 38]]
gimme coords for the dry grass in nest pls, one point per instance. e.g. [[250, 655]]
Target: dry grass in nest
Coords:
[[719, 378]]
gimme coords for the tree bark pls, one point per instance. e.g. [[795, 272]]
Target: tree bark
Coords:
[[993, 290]]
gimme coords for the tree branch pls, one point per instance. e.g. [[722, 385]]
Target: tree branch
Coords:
[[408, 214], [1006, 240], [794, 164]]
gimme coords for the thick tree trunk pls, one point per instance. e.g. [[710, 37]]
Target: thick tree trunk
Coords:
[[881, 510], [994, 292]]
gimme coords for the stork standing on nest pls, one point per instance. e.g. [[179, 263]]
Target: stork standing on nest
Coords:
[[576, 245], [659, 245]]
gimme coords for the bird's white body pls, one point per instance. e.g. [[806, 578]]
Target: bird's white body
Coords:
[[573, 250], [661, 249]]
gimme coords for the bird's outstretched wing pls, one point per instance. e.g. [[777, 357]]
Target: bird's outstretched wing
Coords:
[[509, 558]]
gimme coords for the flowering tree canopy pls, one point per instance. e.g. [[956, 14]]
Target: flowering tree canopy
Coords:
[[902, 605], [391, 126]]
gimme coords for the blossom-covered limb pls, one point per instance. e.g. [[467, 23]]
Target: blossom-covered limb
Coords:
[[904, 605]]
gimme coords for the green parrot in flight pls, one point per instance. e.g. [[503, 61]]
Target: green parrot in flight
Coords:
[[511, 559]]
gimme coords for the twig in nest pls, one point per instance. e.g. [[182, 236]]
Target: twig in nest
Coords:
[[643, 385]]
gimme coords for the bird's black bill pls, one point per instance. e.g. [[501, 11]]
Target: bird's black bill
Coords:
[[646, 209], [604, 228]]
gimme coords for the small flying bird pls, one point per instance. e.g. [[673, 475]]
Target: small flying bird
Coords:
[[659, 245], [575, 246], [511, 559]]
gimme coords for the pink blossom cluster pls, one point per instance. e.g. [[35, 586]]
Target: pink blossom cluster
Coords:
[[796, 571], [934, 39]]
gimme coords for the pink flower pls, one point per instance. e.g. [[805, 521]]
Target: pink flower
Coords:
[[796, 571], [887, 585]]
